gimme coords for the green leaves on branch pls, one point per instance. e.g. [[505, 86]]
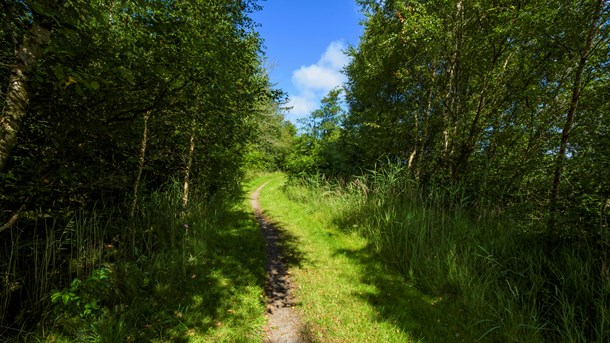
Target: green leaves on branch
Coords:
[[489, 95], [73, 78], [126, 98]]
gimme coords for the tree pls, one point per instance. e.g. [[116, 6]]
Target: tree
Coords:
[[318, 149], [26, 56], [125, 99], [485, 94], [584, 48]]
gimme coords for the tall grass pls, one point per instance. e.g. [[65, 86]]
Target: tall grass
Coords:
[[43, 253], [162, 275], [511, 288]]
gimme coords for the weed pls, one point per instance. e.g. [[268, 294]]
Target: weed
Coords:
[[83, 297]]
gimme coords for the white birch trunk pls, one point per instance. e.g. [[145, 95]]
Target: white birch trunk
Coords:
[[187, 169], [142, 159]]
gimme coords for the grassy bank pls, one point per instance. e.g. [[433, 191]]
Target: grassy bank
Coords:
[[168, 277], [346, 293], [478, 276]]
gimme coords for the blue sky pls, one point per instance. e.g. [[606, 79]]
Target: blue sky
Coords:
[[303, 42]]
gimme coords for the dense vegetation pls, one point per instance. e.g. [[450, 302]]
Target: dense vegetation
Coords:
[[505, 99], [469, 151], [473, 150], [125, 126]]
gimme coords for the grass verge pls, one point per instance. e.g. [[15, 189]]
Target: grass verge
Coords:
[[345, 292], [483, 278], [198, 277]]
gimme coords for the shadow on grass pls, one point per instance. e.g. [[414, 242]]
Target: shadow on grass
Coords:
[[429, 318], [211, 289], [218, 294]]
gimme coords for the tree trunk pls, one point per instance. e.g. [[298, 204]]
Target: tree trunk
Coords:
[[187, 169], [451, 106], [577, 87], [17, 96], [136, 184], [415, 143]]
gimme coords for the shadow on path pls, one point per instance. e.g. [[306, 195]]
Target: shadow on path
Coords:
[[284, 324]]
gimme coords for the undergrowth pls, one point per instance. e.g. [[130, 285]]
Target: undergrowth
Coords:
[[169, 274], [503, 282]]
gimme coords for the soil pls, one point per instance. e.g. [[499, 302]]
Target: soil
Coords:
[[283, 323]]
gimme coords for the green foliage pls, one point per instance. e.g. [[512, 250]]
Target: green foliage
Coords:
[[275, 141], [85, 151], [184, 63], [318, 149], [499, 283], [83, 297], [196, 277], [501, 98]]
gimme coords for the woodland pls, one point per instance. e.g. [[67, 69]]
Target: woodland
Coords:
[[470, 147]]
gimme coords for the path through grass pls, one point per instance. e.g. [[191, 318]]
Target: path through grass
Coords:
[[345, 294]]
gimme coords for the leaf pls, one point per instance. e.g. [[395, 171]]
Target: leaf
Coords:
[[94, 85], [55, 296], [37, 8], [59, 72], [71, 80]]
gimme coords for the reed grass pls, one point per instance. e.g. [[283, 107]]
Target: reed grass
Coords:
[[512, 287]]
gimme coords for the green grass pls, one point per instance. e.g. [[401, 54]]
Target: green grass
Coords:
[[471, 275], [345, 292], [373, 261], [169, 282]]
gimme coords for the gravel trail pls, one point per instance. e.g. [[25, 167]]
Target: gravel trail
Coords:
[[283, 323]]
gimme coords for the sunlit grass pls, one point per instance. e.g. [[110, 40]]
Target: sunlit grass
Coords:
[[373, 261], [483, 279], [345, 292]]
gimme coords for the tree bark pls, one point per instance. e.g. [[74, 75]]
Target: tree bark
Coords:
[[17, 95], [13, 219], [142, 159], [451, 106], [187, 169], [571, 114], [415, 142]]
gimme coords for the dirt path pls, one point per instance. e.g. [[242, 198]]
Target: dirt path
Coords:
[[283, 323]]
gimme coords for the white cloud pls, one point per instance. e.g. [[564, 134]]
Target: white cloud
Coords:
[[316, 78], [314, 81], [302, 104], [334, 56]]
